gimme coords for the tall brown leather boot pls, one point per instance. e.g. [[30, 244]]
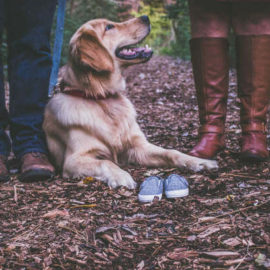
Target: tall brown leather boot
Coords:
[[253, 67], [210, 62]]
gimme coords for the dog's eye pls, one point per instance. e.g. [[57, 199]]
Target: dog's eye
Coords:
[[109, 27]]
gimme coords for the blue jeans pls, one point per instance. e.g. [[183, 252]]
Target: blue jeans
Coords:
[[28, 24]]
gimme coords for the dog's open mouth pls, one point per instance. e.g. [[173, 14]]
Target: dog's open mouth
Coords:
[[132, 52]]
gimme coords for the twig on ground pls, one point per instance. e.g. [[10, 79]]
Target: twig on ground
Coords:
[[15, 194]]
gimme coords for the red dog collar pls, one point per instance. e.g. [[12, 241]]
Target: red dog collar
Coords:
[[76, 93], [81, 94]]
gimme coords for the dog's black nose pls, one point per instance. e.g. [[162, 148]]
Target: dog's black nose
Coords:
[[145, 19]]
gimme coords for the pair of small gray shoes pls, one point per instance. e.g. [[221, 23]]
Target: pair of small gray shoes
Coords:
[[174, 186]]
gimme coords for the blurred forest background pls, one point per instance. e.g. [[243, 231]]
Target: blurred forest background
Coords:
[[169, 20]]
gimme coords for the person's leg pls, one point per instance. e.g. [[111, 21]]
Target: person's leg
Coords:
[[210, 25], [29, 26], [209, 18], [250, 19], [4, 140], [251, 22]]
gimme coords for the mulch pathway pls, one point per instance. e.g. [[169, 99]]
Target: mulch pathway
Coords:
[[223, 224]]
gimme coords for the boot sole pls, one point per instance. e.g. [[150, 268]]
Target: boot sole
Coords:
[[249, 157], [205, 157], [4, 178], [36, 175]]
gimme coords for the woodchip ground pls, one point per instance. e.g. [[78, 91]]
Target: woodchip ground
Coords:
[[223, 224]]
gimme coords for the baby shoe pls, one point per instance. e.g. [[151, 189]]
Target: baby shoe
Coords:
[[150, 188], [175, 186]]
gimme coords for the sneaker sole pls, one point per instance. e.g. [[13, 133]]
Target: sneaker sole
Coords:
[[249, 157], [177, 193], [4, 178], [36, 175], [148, 198]]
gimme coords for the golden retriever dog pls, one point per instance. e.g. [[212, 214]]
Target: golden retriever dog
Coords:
[[91, 125]]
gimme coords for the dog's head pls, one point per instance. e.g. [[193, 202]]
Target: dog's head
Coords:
[[104, 46]]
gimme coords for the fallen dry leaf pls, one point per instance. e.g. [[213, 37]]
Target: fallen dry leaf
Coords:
[[221, 253], [55, 213], [179, 254], [232, 242], [208, 232]]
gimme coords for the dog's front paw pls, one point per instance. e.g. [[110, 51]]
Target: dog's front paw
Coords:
[[121, 178], [199, 164]]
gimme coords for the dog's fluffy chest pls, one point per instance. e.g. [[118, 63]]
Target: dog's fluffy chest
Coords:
[[109, 120]]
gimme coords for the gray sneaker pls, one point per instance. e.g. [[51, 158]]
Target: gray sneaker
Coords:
[[176, 186], [150, 188]]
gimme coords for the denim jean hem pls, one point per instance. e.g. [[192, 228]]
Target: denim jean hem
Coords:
[[5, 153], [32, 150]]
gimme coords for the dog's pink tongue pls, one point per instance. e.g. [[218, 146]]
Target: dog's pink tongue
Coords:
[[139, 49]]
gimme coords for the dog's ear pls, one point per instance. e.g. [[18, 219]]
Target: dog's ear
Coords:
[[86, 49]]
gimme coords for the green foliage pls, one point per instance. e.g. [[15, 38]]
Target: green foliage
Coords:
[[170, 26], [160, 24], [179, 16]]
